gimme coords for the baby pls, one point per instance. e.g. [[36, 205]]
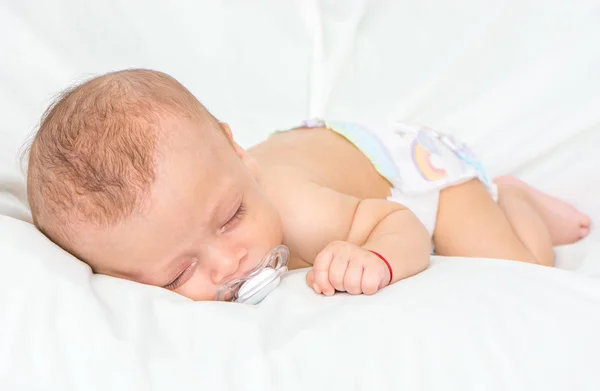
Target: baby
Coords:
[[132, 175]]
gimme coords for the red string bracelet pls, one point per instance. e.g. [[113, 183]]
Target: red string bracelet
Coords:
[[386, 264]]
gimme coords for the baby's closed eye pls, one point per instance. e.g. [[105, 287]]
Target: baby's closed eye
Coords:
[[237, 215], [182, 277]]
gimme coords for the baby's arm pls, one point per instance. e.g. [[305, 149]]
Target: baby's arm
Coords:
[[395, 233], [384, 227]]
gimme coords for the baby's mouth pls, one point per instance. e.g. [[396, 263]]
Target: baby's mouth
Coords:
[[258, 281]]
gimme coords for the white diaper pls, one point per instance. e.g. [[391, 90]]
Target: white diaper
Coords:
[[428, 162]]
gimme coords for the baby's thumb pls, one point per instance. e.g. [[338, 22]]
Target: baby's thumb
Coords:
[[310, 278]]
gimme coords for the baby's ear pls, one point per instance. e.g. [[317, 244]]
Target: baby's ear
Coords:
[[248, 159], [226, 131]]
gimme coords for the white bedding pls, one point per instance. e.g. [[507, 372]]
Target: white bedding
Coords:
[[518, 80]]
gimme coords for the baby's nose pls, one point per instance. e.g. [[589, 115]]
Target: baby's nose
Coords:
[[226, 264]]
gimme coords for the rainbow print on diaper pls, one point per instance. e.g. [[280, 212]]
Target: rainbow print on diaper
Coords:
[[422, 150], [466, 156]]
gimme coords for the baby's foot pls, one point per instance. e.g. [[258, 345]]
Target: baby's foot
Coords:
[[565, 223]]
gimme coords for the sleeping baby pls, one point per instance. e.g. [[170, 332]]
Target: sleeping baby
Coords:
[[130, 173]]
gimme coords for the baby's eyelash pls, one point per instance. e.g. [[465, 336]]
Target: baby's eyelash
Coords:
[[175, 284], [181, 279], [239, 213]]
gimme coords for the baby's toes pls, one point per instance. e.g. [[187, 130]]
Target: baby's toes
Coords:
[[584, 220], [584, 224]]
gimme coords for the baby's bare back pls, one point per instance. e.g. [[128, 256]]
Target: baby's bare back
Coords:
[[323, 157]]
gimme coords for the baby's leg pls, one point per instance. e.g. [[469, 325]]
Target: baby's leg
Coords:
[[471, 224], [565, 223]]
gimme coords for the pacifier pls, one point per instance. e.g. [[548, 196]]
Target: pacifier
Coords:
[[259, 282]]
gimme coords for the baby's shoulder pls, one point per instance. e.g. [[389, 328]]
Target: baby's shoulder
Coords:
[[286, 184], [312, 215]]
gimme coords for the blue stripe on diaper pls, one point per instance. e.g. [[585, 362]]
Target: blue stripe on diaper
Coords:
[[370, 145]]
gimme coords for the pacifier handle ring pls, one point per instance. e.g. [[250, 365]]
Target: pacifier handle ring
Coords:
[[276, 259]]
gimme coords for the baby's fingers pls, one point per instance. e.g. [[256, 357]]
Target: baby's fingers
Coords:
[[353, 278], [320, 274], [370, 281], [310, 278], [337, 272]]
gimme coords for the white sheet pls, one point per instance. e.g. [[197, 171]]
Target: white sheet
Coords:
[[516, 79], [462, 325]]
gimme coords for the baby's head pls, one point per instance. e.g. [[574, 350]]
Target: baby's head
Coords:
[[131, 174]]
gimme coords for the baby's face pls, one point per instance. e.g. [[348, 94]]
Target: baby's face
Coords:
[[207, 221]]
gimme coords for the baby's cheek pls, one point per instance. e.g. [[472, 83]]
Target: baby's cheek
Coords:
[[262, 235], [199, 287], [270, 223]]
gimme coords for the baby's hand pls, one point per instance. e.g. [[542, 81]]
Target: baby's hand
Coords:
[[343, 266]]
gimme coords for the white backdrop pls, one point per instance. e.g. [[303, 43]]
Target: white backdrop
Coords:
[[518, 80]]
